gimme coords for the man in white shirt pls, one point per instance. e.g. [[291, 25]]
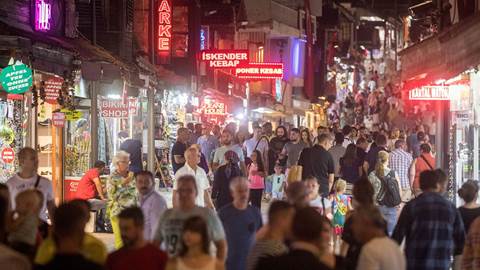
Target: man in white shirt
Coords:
[[379, 252], [28, 178], [150, 201], [192, 158], [256, 141]]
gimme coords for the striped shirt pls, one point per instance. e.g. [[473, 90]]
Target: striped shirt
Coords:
[[400, 162], [264, 249]]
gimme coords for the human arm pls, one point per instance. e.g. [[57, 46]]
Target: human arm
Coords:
[[243, 168], [412, 173], [365, 166], [51, 208], [221, 246], [208, 199], [174, 198], [458, 234], [404, 222], [98, 186], [331, 179]]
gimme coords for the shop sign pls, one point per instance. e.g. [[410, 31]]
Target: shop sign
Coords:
[[70, 188], [430, 92], [53, 86], [462, 118], [204, 37], [16, 79], [260, 71], [114, 108], [72, 115], [224, 58], [164, 33], [8, 155], [58, 119], [214, 108], [43, 15]]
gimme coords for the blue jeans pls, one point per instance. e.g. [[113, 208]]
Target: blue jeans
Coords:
[[390, 215]]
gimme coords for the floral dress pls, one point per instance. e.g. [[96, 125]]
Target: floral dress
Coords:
[[120, 196], [340, 209]]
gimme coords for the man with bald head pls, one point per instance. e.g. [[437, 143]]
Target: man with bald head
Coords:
[[192, 158], [241, 221]]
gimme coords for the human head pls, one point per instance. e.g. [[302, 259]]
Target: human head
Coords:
[[325, 141], [442, 180], [395, 133], [469, 191], [240, 191], [278, 169], [121, 161], [257, 133], [295, 134], [429, 181], [306, 136], [400, 144], [381, 140], [312, 185], [346, 130], [280, 216], [297, 194], [256, 157], [231, 157], [232, 127], [207, 129], [187, 190], [216, 130], [267, 129], [321, 130], [425, 148], [363, 192], [362, 143], [191, 127], [144, 181], [308, 225], [198, 128], [367, 222], [131, 223], [85, 205], [183, 134], [281, 132], [195, 233], [99, 165], [340, 186], [227, 137], [421, 136], [69, 225], [28, 201], [192, 156], [28, 159]]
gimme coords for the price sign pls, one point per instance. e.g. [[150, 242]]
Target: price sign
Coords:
[[8, 155], [58, 119], [53, 86], [16, 79]]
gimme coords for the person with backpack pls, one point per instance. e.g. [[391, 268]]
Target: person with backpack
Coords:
[[387, 190]]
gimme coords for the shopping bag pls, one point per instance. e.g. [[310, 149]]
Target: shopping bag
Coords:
[[294, 174]]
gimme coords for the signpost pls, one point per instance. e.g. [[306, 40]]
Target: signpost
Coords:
[[16, 79], [8, 155]]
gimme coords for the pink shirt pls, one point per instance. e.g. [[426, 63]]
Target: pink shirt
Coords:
[[255, 180]]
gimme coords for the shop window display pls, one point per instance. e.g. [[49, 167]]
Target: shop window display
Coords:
[[12, 135], [77, 149], [45, 142]]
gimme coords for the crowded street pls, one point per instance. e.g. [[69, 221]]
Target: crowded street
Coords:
[[239, 134]]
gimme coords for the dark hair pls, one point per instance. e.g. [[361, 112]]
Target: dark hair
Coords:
[[285, 132], [399, 143], [134, 213], [188, 178], [442, 176], [277, 209], [347, 130], [363, 191], [26, 151], [260, 166], [99, 164], [323, 138], [421, 136], [468, 191], [428, 180], [339, 138], [145, 173], [381, 140], [350, 154], [82, 203], [361, 140], [307, 224], [296, 130], [198, 225], [66, 219], [425, 148]]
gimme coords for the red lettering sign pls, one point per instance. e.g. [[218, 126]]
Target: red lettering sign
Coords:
[[164, 32], [213, 108], [8, 155], [114, 108], [53, 86], [430, 92], [260, 71], [224, 58], [58, 119]]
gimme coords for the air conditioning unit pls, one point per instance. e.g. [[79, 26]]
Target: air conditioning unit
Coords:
[[301, 25]]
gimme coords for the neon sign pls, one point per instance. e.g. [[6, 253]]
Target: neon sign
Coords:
[[224, 58], [43, 15], [204, 33], [430, 92], [164, 36], [260, 71]]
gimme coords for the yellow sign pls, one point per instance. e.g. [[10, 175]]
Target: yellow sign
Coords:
[[72, 115]]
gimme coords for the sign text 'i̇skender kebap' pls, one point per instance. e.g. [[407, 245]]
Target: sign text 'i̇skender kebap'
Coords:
[[224, 58]]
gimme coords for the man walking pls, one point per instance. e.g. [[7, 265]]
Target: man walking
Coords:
[[372, 155], [241, 222], [170, 226], [150, 201], [179, 148], [136, 251], [318, 162], [208, 143], [400, 162], [293, 148], [431, 226], [256, 143], [337, 151], [219, 157]]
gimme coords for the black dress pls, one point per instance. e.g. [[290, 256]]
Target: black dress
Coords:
[[468, 216]]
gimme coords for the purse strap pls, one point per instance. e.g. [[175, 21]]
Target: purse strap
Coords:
[[426, 161]]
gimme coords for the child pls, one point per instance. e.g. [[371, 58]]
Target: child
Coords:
[[24, 222], [256, 174], [278, 181], [341, 205]]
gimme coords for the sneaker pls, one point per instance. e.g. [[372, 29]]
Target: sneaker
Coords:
[[46, 122]]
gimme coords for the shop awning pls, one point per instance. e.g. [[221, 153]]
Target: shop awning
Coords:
[[443, 56]]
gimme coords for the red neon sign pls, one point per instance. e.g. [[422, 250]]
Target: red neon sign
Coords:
[[164, 36], [430, 92], [224, 58], [260, 71]]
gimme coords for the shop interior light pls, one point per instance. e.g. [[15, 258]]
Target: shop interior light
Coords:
[[240, 116], [371, 18]]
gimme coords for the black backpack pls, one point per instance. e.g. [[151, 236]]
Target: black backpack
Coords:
[[389, 194]]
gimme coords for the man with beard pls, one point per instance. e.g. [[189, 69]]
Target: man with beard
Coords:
[[228, 145], [136, 251]]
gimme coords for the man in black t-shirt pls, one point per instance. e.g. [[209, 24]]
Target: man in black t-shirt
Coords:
[[372, 156], [318, 162], [179, 148]]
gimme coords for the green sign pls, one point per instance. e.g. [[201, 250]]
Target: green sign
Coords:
[[16, 79], [72, 115]]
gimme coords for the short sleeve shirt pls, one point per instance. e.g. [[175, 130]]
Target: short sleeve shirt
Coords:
[[293, 152], [220, 153], [170, 227], [201, 180], [16, 184], [86, 188], [178, 150]]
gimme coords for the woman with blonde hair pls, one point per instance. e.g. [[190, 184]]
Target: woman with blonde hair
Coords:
[[121, 192], [386, 184]]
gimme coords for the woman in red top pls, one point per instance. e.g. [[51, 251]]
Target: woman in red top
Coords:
[[90, 186], [425, 162]]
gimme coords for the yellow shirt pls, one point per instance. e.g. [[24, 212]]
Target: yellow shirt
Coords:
[[93, 249]]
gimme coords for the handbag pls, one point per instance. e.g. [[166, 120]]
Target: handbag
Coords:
[[294, 174]]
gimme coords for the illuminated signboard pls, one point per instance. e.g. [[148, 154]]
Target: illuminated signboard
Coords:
[[164, 37], [224, 58], [430, 92], [43, 15], [214, 108], [260, 71], [204, 34]]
